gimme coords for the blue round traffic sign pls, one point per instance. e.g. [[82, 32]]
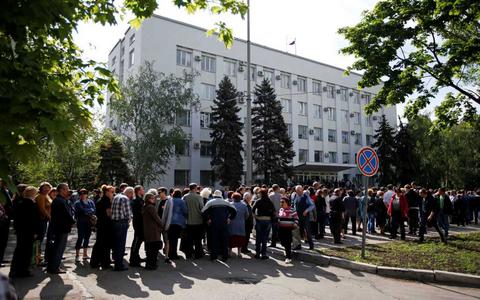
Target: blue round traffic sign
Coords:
[[367, 161]]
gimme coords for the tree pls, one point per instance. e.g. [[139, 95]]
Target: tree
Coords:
[[150, 116], [112, 168], [406, 162], [46, 89], [227, 161], [418, 47], [385, 146], [273, 147]]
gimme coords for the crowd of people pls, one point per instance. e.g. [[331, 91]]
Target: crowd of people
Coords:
[[198, 220]]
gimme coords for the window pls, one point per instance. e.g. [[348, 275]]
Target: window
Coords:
[[302, 132], [356, 97], [289, 130], [302, 155], [302, 84], [330, 91], [332, 135], [208, 91], [122, 51], [345, 115], [358, 138], [184, 57], [317, 109], [181, 177], [332, 157], [204, 120], [209, 64], [183, 149], [286, 105], [114, 59], [316, 87], [368, 121], [331, 114], [131, 58], [205, 148], [302, 108], [317, 134], [253, 73], [345, 158], [120, 76], [132, 39], [367, 98], [343, 94], [356, 118], [345, 137], [230, 68], [183, 118], [206, 178], [318, 156], [285, 80], [268, 74], [369, 139]]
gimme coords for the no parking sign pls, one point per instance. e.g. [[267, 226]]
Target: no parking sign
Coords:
[[367, 161]]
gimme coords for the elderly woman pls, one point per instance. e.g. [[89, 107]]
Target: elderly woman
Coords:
[[84, 211], [236, 227], [152, 228], [174, 220], [26, 226]]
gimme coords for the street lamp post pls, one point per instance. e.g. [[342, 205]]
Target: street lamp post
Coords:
[[248, 125]]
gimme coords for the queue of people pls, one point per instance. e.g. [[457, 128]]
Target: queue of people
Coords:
[[198, 220]]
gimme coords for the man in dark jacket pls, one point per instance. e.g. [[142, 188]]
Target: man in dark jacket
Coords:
[[413, 200], [138, 237], [218, 212], [61, 222], [26, 225], [446, 209], [429, 210], [336, 214]]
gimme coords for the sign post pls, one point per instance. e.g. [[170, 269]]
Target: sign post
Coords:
[[367, 162]]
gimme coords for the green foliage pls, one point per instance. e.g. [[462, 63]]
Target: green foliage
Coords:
[[226, 134], [406, 158], [273, 147], [418, 47], [75, 163], [146, 119], [112, 167], [385, 147], [46, 89]]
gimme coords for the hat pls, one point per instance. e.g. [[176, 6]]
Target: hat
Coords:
[[218, 194]]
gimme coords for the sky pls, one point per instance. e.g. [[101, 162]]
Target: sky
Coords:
[[312, 23]]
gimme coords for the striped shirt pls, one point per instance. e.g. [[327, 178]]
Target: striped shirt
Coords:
[[287, 218], [121, 209]]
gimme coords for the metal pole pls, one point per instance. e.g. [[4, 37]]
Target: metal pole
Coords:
[[365, 205], [248, 125]]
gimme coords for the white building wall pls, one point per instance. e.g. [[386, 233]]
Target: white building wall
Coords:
[[157, 40]]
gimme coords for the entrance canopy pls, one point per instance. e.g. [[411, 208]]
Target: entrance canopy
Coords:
[[322, 167]]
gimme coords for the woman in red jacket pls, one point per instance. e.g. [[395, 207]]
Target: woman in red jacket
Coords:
[[398, 212]]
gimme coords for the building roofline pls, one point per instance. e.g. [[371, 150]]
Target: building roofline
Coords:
[[241, 40]]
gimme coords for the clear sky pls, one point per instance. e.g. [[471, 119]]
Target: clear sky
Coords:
[[313, 23]]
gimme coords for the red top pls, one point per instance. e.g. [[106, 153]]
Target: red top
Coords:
[[403, 205]]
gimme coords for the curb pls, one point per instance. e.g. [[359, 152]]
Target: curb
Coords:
[[444, 277]]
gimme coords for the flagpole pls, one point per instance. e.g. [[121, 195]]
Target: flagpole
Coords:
[[248, 150], [295, 46]]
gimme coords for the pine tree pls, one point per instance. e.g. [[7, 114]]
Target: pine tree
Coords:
[[405, 153], [227, 161], [385, 146], [272, 145], [113, 168]]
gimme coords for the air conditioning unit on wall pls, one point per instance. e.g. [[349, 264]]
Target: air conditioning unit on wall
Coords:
[[352, 115], [352, 132], [351, 94], [294, 82], [260, 73], [324, 88], [198, 58], [374, 118], [196, 146], [278, 77], [311, 131], [338, 91], [240, 68], [325, 109]]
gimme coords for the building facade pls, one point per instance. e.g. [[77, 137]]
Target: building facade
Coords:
[[322, 107]]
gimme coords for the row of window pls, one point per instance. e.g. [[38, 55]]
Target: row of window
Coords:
[[208, 64], [317, 133], [318, 156], [182, 178]]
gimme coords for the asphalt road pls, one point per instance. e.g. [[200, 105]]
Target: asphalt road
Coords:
[[244, 278]]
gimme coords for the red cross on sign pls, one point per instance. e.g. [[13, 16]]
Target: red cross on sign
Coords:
[[367, 161]]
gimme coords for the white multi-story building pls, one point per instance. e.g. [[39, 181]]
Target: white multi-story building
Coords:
[[323, 107]]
